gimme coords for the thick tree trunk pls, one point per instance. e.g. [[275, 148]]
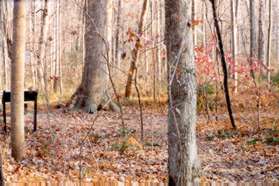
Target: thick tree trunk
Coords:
[[135, 52], [91, 93], [17, 80], [182, 148]]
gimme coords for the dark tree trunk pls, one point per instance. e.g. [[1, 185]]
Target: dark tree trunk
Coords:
[[224, 65], [183, 164], [1, 173]]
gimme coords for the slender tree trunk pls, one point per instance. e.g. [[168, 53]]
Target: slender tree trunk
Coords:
[[5, 39], [194, 19], [57, 47], [182, 92], [41, 49], [17, 80], [158, 40], [135, 52], [90, 95], [2, 183], [152, 34], [33, 40], [118, 24], [261, 42], [204, 38], [234, 44], [253, 35], [223, 61], [269, 43], [276, 27]]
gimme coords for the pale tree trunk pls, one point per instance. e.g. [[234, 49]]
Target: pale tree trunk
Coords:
[[59, 53], [17, 80], [33, 40], [57, 78], [234, 43], [253, 36], [269, 43], [204, 30], [5, 38], [135, 52], [41, 48], [194, 19], [159, 39], [90, 95], [276, 27], [182, 147], [152, 34], [261, 42]]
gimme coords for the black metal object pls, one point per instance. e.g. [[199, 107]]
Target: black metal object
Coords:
[[28, 96]]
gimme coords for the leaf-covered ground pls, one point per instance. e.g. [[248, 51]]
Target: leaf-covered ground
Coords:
[[73, 145]]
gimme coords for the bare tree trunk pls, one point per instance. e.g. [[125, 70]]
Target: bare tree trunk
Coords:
[[5, 39], [59, 53], [135, 52], [2, 183], [57, 47], [253, 35], [118, 24], [194, 19], [153, 51], [234, 44], [17, 80], [276, 27], [41, 49], [204, 38], [223, 61], [261, 42], [33, 40], [269, 43], [90, 94], [183, 164]]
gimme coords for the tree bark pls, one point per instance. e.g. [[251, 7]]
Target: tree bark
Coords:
[[2, 183], [269, 43], [5, 39], [253, 36], [41, 48], [33, 41], [135, 52], [118, 24], [17, 80], [224, 65], [183, 164], [234, 43], [261, 43], [91, 93]]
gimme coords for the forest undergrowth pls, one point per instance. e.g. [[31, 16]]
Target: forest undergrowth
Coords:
[[75, 145]]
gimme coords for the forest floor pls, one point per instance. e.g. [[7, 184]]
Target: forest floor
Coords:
[[78, 145]]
